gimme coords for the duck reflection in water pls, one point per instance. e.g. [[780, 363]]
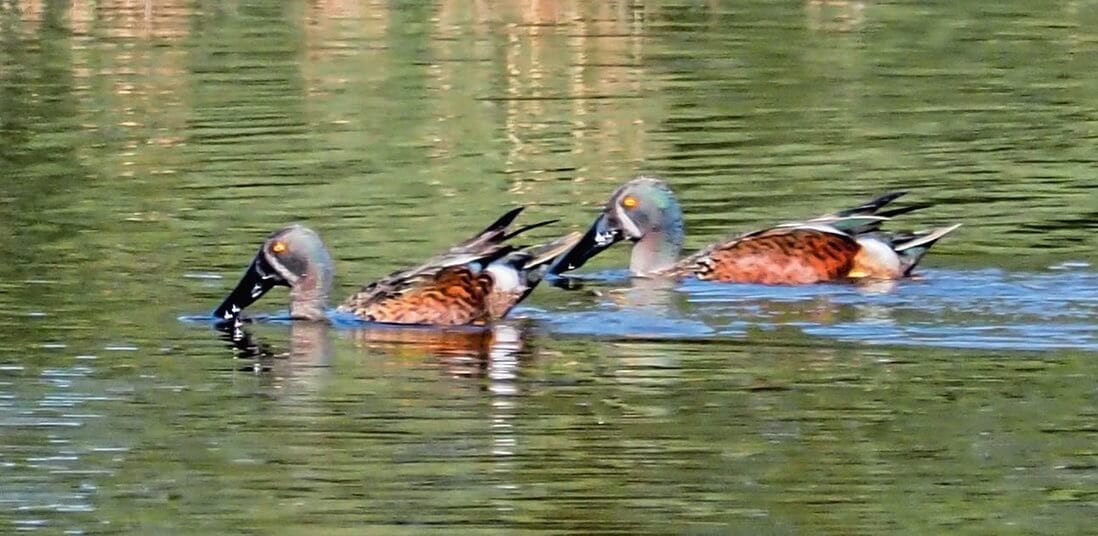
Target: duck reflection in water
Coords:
[[477, 351]]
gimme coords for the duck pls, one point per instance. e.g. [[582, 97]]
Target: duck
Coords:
[[474, 282], [841, 246]]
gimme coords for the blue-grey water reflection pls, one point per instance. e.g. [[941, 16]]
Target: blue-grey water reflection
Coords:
[[986, 308]]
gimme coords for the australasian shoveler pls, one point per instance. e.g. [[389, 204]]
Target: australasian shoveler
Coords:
[[848, 244], [476, 281]]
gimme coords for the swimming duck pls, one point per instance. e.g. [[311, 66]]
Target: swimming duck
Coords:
[[474, 282], [844, 245]]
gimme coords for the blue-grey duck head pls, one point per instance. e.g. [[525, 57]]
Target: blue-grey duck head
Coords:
[[294, 257], [638, 208]]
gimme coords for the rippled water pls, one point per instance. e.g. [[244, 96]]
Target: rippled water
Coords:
[[147, 148], [958, 309]]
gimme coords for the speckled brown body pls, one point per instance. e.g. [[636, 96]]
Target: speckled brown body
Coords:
[[792, 256], [451, 296], [457, 295]]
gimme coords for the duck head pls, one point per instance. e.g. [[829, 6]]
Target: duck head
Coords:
[[643, 211], [293, 257]]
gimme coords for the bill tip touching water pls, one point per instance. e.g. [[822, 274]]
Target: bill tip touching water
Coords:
[[849, 244], [474, 282], [293, 257]]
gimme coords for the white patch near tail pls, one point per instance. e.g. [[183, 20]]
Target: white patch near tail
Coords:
[[876, 259], [505, 277]]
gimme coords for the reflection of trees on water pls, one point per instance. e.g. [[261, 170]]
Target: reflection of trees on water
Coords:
[[549, 88], [42, 160], [450, 94], [834, 15], [115, 19]]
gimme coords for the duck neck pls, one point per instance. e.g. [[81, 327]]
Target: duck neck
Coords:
[[309, 294], [658, 250]]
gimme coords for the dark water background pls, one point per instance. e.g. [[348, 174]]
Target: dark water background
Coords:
[[146, 149]]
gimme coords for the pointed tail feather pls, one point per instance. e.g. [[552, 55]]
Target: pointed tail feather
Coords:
[[892, 213], [491, 234], [925, 238], [871, 206], [484, 257], [525, 228], [503, 221], [915, 246], [853, 225], [549, 252], [868, 217]]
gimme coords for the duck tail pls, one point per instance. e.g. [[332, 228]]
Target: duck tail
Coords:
[[853, 225], [911, 248], [525, 268], [893, 212], [547, 253], [871, 206], [492, 235], [869, 216], [525, 228], [503, 222]]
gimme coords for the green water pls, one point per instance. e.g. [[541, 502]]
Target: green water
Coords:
[[146, 150]]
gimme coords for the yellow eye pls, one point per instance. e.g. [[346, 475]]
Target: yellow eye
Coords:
[[629, 201], [279, 247]]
